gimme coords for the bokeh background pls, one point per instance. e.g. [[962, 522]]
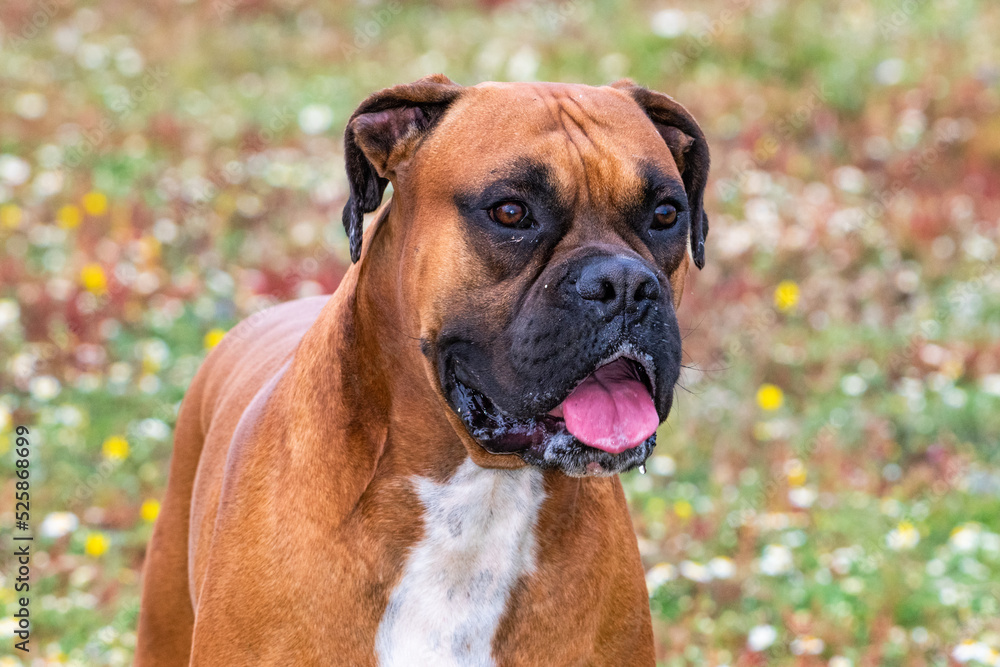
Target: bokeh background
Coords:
[[827, 489]]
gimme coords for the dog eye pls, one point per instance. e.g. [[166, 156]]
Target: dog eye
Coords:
[[509, 213], [664, 217]]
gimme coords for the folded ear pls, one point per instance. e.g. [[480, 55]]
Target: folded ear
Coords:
[[690, 150], [381, 136]]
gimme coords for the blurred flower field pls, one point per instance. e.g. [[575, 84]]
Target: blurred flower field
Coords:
[[827, 489]]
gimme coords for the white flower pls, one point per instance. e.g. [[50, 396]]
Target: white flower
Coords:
[[523, 65], [129, 61], [10, 312], [761, 637], [891, 507], [48, 183], [969, 650], [154, 428], [154, 353], [695, 572], [662, 465], [107, 634], [853, 385], [965, 538], [844, 558], [91, 56], [793, 538], [948, 594], [776, 560], [807, 645], [936, 567], [44, 387], [315, 118], [82, 576], [57, 524], [69, 415], [802, 496], [989, 542], [849, 179], [7, 628], [659, 575], [889, 72], [903, 537], [852, 585], [13, 170], [991, 384], [669, 23], [721, 567], [840, 661], [30, 105]]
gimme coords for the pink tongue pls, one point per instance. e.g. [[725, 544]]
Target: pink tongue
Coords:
[[611, 410]]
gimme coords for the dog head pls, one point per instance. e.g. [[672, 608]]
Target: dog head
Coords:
[[545, 231]]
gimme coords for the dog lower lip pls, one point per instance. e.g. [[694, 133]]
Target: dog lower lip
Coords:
[[496, 431]]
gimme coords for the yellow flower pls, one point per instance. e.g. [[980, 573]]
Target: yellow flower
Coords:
[[786, 295], [770, 397], [150, 510], [213, 338], [96, 544], [796, 472], [115, 448], [93, 279], [95, 203], [683, 509], [69, 216], [10, 216], [765, 147], [149, 248], [953, 368]]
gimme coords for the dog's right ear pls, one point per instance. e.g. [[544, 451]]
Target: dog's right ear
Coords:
[[381, 135]]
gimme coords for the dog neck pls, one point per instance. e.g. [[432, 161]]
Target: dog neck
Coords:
[[389, 416]]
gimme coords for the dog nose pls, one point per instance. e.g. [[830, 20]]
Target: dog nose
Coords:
[[618, 284]]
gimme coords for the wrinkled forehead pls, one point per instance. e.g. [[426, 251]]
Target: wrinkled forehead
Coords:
[[594, 141]]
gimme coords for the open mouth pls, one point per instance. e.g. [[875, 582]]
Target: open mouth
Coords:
[[606, 424]]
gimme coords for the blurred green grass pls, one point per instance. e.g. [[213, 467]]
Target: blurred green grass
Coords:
[[827, 490]]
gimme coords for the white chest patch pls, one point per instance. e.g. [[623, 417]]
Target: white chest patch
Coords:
[[478, 540]]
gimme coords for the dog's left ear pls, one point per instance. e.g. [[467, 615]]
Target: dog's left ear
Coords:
[[381, 135], [690, 150]]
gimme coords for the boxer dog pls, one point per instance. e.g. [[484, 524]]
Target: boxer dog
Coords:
[[422, 469]]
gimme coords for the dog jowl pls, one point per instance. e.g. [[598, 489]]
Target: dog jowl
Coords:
[[546, 311]]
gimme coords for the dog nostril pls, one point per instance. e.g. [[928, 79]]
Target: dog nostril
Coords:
[[648, 290], [607, 292], [595, 286]]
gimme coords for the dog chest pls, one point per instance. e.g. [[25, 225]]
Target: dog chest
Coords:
[[478, 541]]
